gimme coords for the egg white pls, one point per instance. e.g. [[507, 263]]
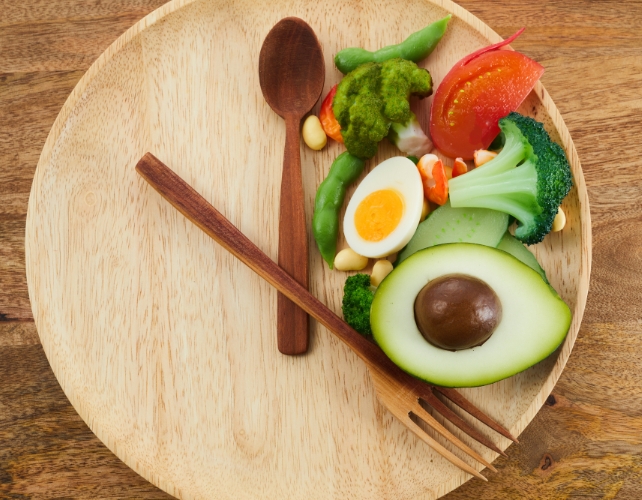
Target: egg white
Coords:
[[399, 174]]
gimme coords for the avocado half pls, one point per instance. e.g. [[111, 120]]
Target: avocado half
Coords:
[[535, 320]]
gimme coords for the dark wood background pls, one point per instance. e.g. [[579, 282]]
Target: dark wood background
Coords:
[[585, 442]]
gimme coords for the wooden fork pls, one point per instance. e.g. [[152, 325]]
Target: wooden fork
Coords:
[[396, 390]]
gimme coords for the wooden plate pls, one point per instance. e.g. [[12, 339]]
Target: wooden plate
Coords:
[[164, 343]]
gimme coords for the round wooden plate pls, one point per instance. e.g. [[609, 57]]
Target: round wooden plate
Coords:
[[164, 343]]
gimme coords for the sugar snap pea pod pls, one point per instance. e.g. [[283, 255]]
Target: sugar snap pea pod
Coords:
[[329, 200], [414, 48]]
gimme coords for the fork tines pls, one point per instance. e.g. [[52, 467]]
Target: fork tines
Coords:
[[419, 412], [471, 409]]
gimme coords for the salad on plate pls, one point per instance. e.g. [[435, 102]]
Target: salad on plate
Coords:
[[455, 297]]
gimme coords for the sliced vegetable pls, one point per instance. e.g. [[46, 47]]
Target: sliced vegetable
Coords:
[[482, 156], [479, 90], [489, 48], [528, 179], [329, 123], [457, 225], [516, 248], [414, 48], [433, 178], [534, 321], [459, 167]]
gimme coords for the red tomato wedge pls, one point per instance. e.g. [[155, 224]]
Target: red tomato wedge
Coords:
[[479, 90]]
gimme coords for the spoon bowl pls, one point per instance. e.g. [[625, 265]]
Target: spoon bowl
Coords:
[[291, 68], [292, 74]]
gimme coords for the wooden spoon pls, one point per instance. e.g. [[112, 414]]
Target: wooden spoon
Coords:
[[292, 73]]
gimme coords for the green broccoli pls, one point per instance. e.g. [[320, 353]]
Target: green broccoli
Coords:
[[528, 179], [375, 95], [357, 299]]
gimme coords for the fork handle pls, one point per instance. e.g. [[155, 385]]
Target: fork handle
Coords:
[[197, 209]]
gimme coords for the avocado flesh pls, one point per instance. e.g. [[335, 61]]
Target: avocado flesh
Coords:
[[534, 321]]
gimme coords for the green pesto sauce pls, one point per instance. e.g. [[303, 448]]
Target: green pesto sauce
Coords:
[[373, 96]]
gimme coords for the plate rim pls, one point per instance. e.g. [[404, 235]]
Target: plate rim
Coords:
[[175, 5]]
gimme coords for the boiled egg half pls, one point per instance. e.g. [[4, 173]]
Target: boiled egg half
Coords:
[[385, 209]]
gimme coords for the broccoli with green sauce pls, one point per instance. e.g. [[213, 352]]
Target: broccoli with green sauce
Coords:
[[357, 299], [373, 100], [528, 179]]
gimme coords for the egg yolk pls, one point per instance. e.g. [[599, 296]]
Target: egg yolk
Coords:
[[378, 214]]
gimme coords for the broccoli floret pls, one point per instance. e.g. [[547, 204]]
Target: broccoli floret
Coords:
[[528, 179], [357, 299], [410, 138], [372, 97]]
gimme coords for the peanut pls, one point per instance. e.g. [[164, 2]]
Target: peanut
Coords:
[[380, 270], [349, 260], [313, 133], [560, 220]]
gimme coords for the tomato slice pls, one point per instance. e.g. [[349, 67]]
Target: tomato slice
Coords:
[[479, 90]]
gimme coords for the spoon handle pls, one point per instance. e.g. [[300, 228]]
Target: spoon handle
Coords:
[[292, 321]]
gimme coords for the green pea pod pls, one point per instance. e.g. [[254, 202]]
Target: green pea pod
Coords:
[[329, 200], [414, 48]]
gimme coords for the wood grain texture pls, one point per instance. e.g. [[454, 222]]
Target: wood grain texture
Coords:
[[591, 54], [29, 104], [292, 323], [397, 391], [134, 344], [291, 75], [47, 450]]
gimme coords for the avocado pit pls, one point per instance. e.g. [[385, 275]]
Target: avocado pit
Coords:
[[457, 312]]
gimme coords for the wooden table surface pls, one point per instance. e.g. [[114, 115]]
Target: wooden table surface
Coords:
[[585, 442]]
